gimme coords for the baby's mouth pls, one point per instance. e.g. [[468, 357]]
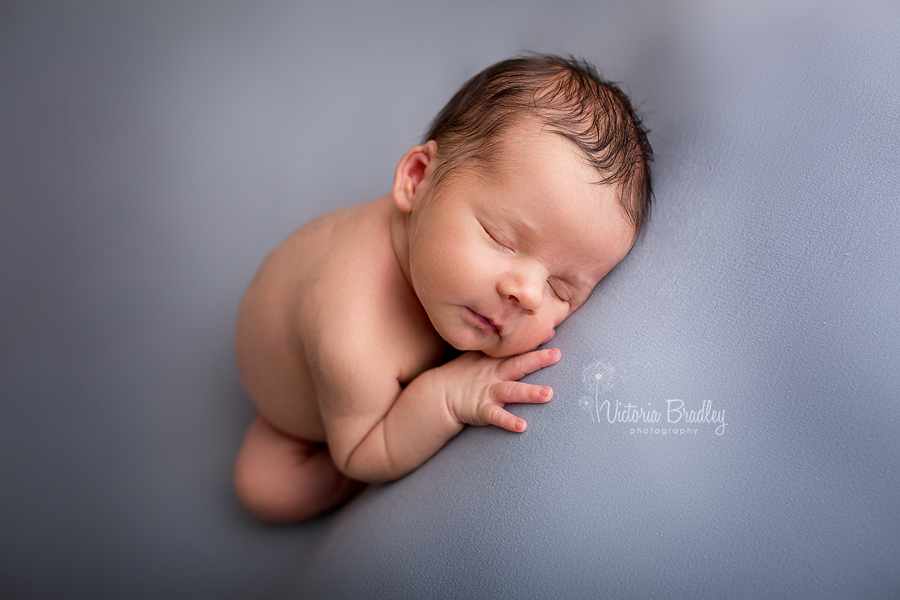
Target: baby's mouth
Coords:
[[483, 322]]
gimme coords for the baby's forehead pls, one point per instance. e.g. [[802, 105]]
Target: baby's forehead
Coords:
[[526, 152], [557, 207], [528, 144], [533, 175]]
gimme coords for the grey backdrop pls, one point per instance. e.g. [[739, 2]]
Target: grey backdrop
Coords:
[[152, 153]]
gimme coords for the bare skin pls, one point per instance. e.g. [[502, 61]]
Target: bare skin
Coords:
[[341, 334]]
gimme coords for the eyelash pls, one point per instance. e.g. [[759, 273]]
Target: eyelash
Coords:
[[495, 240], [555, 293]]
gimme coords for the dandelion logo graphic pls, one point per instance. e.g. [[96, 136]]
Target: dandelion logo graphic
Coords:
[[599, 377]]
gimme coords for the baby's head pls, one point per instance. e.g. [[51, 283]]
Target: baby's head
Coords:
[[562, 96], [532, 184]]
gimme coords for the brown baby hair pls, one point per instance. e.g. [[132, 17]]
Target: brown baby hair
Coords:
[[568, 97]]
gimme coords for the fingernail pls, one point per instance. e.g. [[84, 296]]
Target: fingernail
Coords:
[[554, 352], [521, 425], [545, 392]]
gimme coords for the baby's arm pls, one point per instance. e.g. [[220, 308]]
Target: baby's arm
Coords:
[[378, 445]]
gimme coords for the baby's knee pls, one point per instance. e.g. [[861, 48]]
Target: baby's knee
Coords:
[[260, 487], [264, 500], [281, 479]]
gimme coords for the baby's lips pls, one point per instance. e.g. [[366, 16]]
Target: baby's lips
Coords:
[[549, 337]]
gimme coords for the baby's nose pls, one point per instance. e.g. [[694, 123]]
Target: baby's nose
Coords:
[[524, 291]]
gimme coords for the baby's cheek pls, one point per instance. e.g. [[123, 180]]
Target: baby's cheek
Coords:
[[539, 335]]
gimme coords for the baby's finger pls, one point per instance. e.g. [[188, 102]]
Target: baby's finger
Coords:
[[519, 366], [504, 419], [516, 392]]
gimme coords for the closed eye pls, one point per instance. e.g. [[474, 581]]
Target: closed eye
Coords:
[[556, 293], [494, 239]]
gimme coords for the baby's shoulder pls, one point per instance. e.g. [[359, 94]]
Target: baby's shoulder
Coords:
[[355, 305]]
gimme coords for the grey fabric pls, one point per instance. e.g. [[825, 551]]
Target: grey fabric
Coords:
[[153, 153]]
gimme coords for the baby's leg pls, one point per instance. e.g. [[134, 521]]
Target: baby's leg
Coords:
[[280, 478]]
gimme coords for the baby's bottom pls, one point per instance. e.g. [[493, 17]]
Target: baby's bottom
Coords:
[[282, 479]]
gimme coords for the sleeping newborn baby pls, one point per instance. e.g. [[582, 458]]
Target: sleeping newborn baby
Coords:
[[374, 334]]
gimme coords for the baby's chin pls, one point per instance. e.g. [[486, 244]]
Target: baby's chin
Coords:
[[507, 347]]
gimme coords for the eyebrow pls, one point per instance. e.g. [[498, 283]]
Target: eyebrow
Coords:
[[522, 227]]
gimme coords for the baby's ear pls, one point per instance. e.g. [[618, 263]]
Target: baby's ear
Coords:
[[411, 172]]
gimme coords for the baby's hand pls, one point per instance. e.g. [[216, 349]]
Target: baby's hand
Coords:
[[477, 387]]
